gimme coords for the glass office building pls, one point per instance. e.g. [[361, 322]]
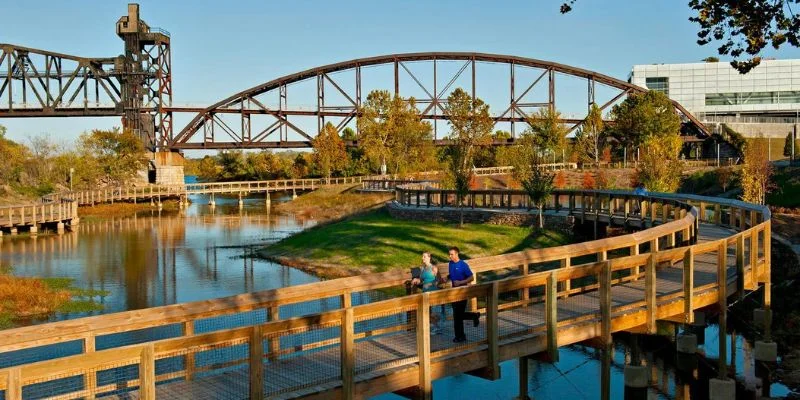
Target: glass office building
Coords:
[[717, 92]]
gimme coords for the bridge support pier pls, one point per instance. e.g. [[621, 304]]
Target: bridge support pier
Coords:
[[686, 345], [211, 202], [268, 201], [14, 231], [241, 202], [523, 378], [636, 382], [34, 230], [294, 194], [60, 228], [698, 326], [719, 389]]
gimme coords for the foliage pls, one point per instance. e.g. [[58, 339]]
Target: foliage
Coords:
[[393, 132], [329, 153], [711, 59], [725, 177], [118, 155], [756, 172], [787, 146], [547, 131], [560, 180], [538, 184], [603, 181], [659, 168], [590, 138], [588, 181], [470, 127], [743, 27], [644, 115], [734, 138]]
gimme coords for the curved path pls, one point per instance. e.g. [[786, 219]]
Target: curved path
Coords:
[[351, 337]]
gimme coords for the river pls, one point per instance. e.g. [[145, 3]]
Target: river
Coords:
[[154, 259]]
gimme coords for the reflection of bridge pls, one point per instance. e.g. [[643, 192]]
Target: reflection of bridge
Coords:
[[38, 83], [287, 343]]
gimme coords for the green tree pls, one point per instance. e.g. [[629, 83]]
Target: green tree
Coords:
[[644, 115], [787, 146], [470, 127], [119, 155], [590, 138], [743, 27], [329, 153], [208, 170], [393, 132], [659, 168], [528, 160], [231, 164], [757, 172], [547, 131]]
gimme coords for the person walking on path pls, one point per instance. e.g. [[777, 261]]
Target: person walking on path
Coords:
[[429, 281], [460, 275]]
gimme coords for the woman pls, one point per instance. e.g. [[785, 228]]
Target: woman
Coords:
[[429, 281]]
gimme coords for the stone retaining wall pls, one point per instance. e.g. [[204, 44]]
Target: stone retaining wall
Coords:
[[553, 221]]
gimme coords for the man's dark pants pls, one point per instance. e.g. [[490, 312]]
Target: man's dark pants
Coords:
[[459, 315]]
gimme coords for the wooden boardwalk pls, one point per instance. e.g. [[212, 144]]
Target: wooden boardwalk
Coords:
[[680, 264]]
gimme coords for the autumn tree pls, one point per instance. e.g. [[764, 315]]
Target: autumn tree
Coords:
[[560, 180], [756, 172], [470, 127], [329, 153], [208, 169], [659, 168], [590, 137], [393, 133], [119, 154], [724, 177], [529, 169], [588, 181], [744, 28]]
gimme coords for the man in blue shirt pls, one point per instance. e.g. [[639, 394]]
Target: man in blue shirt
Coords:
[[460, 275]]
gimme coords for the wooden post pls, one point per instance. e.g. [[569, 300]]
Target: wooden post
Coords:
[[688, 285], [424, 346], [347, 355], [523, 378], [767, 264], [635, 252], [147, 373], [346, 299], [702, 216], [740, 265], [274, 343], [551, 315], [605, 303], [90, 379], [650, 291], [256, 346], [525, 292], [753, 256], [566, 285], [492, 330], [14, 388], [722, 301], [188, 330], [742, 219]]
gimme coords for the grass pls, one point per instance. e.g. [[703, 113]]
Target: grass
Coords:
[[332, 202], [787, 193], [376, 242], [123, 209], [32, 298]]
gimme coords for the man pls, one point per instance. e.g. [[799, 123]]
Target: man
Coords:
[[460, 275]]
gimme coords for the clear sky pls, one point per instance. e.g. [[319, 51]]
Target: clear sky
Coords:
[[219, 48]]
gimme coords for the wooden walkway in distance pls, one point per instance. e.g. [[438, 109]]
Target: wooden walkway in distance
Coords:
[[285, 377]]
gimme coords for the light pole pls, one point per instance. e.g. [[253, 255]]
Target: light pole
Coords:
[[71, 171]]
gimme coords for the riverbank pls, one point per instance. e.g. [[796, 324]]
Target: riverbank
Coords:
[[376, 242], [27, 299], [332, 203], [124, 209]]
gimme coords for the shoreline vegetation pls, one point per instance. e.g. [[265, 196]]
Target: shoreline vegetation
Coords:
[[332, 203], [124, 209], [29, 299], [373, 241]]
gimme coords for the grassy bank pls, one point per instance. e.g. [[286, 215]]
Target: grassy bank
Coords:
[[25, 299], [123, 209], [332, 202], [375, 242]]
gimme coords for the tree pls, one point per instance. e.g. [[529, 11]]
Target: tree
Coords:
[[588, 182], [756, 172], [232, 165], [659, 168], [560, 180], [743, 27], [787, 146], [393, 132], [590, 138], [548, 133], [724, 177], [119, 154], [644, 115], [329, 153], [470, 127], [710, 59], [207, 169], [529, 170]]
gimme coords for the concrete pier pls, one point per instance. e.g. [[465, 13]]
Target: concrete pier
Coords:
[[719, 389], [636, 382]]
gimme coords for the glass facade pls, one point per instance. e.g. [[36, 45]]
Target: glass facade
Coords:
[[659, 84], [743, 98]]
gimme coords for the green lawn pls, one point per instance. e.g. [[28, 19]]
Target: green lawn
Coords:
[[377, 242]]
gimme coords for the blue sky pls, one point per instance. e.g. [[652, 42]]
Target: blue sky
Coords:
[[219, 48]]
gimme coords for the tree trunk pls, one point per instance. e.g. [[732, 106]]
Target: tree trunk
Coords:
[[541, 221], [461, 213]]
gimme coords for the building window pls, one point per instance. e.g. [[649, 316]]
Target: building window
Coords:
[[745, 98], [658, 84]]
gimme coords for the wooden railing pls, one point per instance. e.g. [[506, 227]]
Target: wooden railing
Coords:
[[43, 213], [346, 324]]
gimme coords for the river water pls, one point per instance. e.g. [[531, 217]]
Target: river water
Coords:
[[155, 259]]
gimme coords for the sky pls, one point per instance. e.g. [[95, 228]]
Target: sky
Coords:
[[220, 48]]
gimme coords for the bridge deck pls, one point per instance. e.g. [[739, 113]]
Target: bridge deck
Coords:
[[310, 372]]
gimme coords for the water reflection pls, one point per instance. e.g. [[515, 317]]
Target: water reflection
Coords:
[[158, 258]]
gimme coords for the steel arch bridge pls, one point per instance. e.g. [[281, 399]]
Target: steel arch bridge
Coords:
[[268, 102]]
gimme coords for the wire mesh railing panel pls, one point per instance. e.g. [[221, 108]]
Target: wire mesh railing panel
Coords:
[[307, 357], [230, 321], [116, 380], [40, 353], [579, 306], [221, 358], [386, 340], [310, 307], [372, 296], [138, 336], [53, 387]]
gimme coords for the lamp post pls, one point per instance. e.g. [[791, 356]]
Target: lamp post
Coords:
[[71, 171]]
